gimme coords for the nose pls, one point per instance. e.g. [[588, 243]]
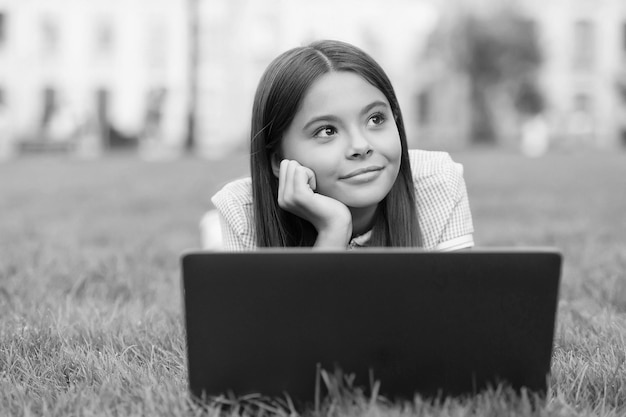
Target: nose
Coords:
[[359, 147]]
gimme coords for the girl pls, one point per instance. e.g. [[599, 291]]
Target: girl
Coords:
[[330, 166]]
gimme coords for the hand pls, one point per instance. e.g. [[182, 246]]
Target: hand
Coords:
[[296, 194]]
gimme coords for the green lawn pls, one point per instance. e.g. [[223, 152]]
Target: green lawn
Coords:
[[90, 301]]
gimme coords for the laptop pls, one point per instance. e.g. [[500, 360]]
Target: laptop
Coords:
[[434, 324]]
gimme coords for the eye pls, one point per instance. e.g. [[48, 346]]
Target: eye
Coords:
[[376, 119], [325, 132]]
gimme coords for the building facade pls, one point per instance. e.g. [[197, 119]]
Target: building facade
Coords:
[[239, 38], [584, 48], [582, 78], [92, 74], [97, 74], [104, 70]]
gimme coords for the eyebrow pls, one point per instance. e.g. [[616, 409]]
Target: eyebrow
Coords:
[[330, 117]]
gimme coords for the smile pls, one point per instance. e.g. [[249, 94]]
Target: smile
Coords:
[[370, 171]]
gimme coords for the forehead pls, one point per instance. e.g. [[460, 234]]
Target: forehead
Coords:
[[337, 93]]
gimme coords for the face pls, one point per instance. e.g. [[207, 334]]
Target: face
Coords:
[[346, 134]]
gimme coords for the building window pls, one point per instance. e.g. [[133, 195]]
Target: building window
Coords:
[[49, 35], [104, 38], [581, 120], [156, 43], [584, 44], [3, 28]]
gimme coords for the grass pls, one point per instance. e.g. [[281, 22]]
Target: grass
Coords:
[[90, 301]]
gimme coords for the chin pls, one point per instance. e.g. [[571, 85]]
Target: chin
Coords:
[[360, 196], [367, 200]]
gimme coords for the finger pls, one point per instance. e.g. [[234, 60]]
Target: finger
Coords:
[[305, 180], [282, 180], [311, 178], [289, 180], [287, 197]]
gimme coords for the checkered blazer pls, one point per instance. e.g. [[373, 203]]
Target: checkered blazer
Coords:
[[443, 208]]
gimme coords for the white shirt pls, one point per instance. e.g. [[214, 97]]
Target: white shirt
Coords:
[[443, 211]]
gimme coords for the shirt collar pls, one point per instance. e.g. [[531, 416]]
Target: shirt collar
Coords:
[[360, 241]]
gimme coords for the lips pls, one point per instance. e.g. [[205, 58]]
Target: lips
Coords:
[[361, 171]]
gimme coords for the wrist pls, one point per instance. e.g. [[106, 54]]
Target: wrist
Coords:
[[335, 236]]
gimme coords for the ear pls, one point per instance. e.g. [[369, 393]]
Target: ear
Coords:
[[275, 159]]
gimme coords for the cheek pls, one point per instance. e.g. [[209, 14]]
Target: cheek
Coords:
[[391, 148], [324, 166], [322, 160]]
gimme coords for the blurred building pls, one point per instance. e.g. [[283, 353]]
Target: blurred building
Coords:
[[584, 48], [100, 73], [581, 78], [93, 74], [239, 38]]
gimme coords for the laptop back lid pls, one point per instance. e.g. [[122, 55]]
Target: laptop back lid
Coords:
[[431, 323]]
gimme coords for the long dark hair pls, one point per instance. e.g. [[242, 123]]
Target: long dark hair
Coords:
[[278, 97]]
